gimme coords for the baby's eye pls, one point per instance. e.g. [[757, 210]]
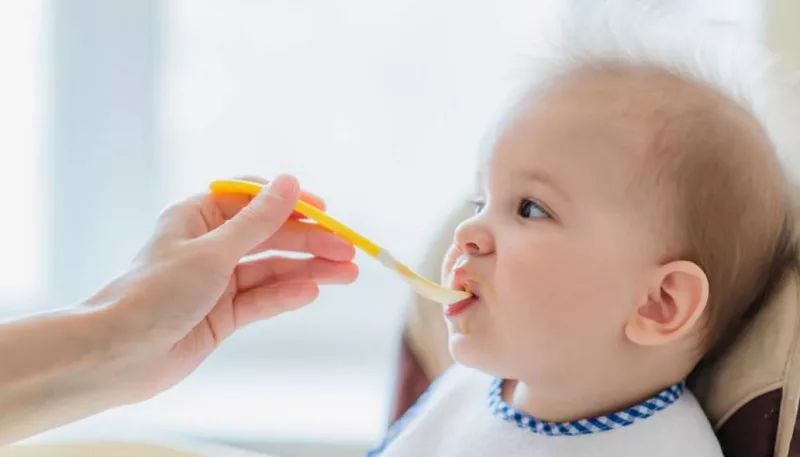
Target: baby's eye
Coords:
[[531, 209], [478, 203]]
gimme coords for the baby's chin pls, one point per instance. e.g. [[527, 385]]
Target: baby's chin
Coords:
[[478, 349], [466, 348]]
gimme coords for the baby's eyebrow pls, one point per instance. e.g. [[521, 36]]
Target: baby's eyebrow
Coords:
[[545, 179]]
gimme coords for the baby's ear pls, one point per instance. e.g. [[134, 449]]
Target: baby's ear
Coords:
[[675, 300]]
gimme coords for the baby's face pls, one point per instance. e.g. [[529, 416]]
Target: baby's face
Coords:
[[561, 243]]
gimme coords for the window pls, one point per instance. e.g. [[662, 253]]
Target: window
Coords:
[[22, 196]]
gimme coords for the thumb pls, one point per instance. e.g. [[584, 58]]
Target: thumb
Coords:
[[261, 218]]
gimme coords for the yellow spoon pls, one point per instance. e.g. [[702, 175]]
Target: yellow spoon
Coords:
[[419, 284]]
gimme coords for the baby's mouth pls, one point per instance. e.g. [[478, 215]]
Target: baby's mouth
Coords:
[[470, 287], [454, 309], [461, 286], [466, 288]]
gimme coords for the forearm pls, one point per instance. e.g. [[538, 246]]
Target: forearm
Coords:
[[55, 368]]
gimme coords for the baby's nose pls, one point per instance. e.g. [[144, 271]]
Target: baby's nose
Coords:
[[472, 248], [473, 238]]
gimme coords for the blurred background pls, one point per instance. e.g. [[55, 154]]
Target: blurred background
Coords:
[[111, 109]]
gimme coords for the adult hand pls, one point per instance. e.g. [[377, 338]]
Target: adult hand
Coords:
[[185, 292]]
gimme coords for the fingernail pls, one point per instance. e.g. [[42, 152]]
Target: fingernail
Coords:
[[284, 186]]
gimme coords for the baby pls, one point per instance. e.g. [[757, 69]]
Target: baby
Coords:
[[630, 214]]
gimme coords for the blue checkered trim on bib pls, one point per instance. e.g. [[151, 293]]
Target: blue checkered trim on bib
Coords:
[[608, 422]]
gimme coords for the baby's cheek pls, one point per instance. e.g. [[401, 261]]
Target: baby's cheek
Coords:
[[531, 273], [545, 291]]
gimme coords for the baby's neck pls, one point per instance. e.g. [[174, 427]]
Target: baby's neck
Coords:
[[592, 400]]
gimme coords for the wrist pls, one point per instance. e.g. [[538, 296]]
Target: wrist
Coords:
[[121, 344], [99, 353]]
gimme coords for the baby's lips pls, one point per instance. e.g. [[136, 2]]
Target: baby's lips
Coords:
[[461, 281], [473, 288]]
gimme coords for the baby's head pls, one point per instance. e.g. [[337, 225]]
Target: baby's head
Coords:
[[630, 213]]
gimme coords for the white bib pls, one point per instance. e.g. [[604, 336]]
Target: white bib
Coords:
[[463, 415]]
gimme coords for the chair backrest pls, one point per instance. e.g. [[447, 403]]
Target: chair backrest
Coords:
[[750, 393]]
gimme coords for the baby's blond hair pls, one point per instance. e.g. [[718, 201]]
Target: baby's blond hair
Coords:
[[721, 145]]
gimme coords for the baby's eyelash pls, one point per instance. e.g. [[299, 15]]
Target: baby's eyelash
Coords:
[[479, 203], [531, 209], [526, 207]]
